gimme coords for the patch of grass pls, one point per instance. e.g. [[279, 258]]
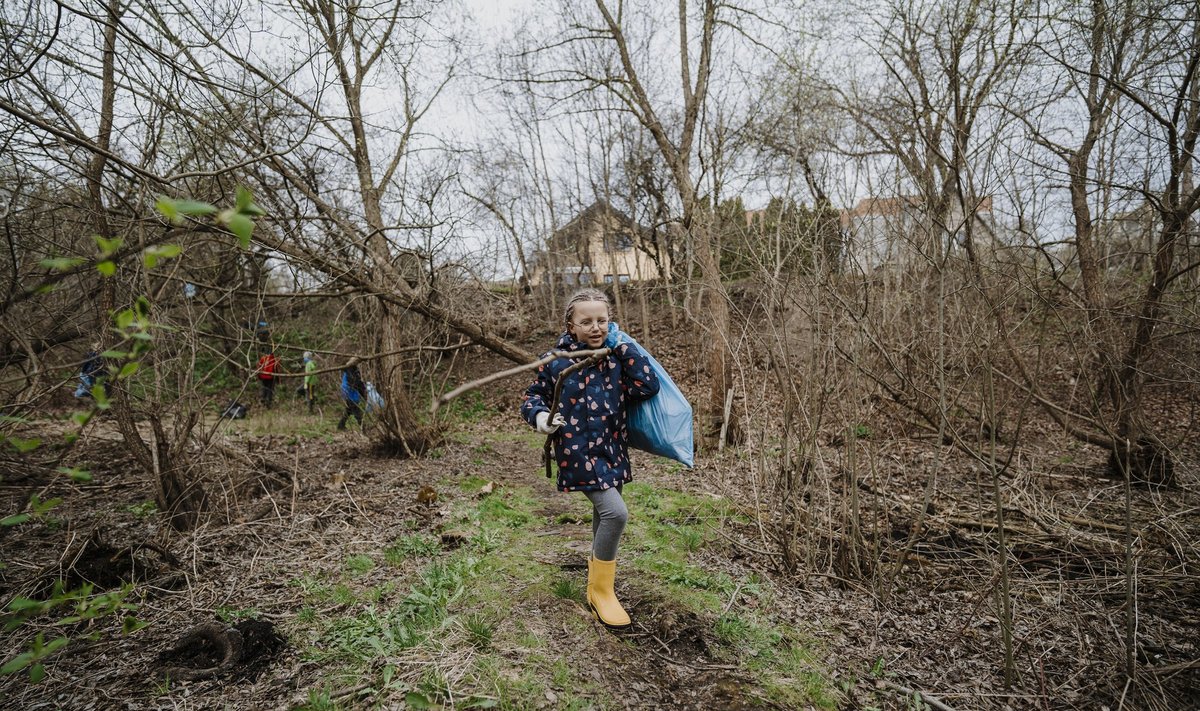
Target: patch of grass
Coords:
[[479, 630], [569, 589], [319, 700], [232, 614], [343, 594], [777, 656], [571, 518], [142, 510], [499, 508], [466, 409], [472, 484], [412, 545], [359, 564], [521, 434], [313, 588]]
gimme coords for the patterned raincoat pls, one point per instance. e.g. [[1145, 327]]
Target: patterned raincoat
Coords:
[[591, 448]]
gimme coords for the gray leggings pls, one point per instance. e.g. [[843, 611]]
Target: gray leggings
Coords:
[[608, 521]]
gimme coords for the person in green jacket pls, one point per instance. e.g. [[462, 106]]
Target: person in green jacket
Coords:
[[310, 380]]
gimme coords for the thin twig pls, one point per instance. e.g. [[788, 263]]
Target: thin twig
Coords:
[[932, 701]]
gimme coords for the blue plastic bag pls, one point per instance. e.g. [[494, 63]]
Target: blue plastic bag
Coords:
[[661, 425], [375, 401]]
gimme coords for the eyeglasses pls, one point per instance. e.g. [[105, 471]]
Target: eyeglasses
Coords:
[[589, 324]]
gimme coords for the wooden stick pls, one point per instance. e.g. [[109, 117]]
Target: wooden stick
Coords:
[[549, 358], [932, 701], [725, 419]]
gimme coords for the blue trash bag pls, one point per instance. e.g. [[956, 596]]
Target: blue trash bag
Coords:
[[661, 425], [374, 399]]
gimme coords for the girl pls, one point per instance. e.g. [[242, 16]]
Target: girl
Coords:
[[590, 434]]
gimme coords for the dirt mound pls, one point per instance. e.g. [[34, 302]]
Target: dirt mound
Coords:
[[243, 651]]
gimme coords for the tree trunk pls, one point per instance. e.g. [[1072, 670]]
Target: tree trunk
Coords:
[[181, 502]]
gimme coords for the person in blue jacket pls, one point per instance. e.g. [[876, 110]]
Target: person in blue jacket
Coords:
[[90, 372], [354, 392], [590, 435]]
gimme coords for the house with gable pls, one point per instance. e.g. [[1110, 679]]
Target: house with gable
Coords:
[[597, 247]]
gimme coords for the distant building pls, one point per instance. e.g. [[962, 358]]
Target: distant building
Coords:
[[895, 231], [1126, 240], [597, 247]]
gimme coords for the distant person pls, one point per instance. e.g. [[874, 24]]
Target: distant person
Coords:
[[90, 372], [354, 392], [589, 431], [268, 372], [310, 380]]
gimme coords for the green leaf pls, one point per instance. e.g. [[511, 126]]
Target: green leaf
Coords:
[[106, 268], [166, 206], [417, 701], [59, 264], [243, 227], [82, 417], [244, 199], [127, 370], [107, 246], [132, 624], [118, 355], [100, 395], [76, 474], [173, 209], [24, 603], [163, 251], [14, 520], [17, 663], [40, 507], [124, 318], [37, 672], [24, 445], [194, 208]]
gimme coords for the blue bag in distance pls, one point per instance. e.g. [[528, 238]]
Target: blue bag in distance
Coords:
[[661, 425]]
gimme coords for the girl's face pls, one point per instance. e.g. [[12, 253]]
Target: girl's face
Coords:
[[589, 323]]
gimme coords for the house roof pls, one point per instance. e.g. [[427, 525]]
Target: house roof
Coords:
[[597, 211], [890, 206]]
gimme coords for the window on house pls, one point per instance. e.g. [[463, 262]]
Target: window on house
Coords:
[[585, 279], [620, 242], [624, 278], [608, 278]]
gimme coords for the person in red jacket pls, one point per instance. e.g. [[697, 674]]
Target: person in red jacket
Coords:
[[268, 367]]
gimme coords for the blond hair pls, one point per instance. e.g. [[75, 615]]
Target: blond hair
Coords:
[[581, 296]]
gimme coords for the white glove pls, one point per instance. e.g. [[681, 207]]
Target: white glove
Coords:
[[545, 426]]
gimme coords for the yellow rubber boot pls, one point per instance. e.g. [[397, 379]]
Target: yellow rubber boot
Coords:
[[600, 595]]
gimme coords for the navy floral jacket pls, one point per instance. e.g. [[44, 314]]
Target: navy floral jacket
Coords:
[[591, 448]]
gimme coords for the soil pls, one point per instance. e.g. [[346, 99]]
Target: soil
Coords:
[[882, 633]]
